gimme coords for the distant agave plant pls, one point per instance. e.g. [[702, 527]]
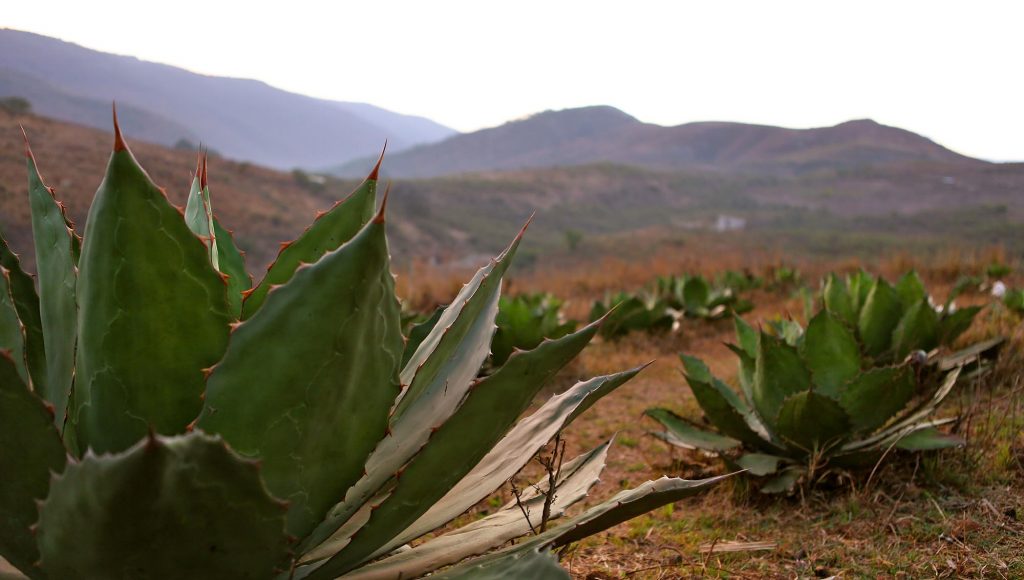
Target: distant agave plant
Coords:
[[173, 422], [890, 322], [624, 313], [694, 297], [524, 321], [810, 399]]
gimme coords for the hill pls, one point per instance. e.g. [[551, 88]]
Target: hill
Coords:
[[616, 209], [605, 134], [243, 119]]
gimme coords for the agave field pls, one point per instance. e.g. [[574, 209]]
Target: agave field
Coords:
[[163, 414]]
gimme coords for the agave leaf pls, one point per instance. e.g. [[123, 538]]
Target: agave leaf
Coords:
[[327, 233], [760, 464], [438, 375], [488, 411], [516, 449], [917, 330], [533, 563], [909, 421], [778, 373], [12, 333], [232, 264], [929, 439], [746, 335], [56, 263], [723, 407], [838, 300], [493, 531], [911, 289], [418, 333], [874, 396], [682, 434], [878, 319], [199, 216], [783, 482], [26, 303], [326, 343], [810, 421], [831, 353], [975, 353], [623, 506], [745, 372], [182, 507], [30, 450], [152, 314], [951, 326], [695, 293]]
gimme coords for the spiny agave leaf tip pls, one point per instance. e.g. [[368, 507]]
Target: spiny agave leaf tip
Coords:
[[202, 177], [24, 136], [376, 168], [379, 219], [119, 144]]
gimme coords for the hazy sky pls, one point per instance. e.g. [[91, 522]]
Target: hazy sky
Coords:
[[953, 71]]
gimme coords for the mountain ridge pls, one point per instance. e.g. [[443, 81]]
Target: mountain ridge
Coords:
[[603, 134], [245, 119]]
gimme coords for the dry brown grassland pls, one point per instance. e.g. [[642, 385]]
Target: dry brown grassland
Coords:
[[954, 514]]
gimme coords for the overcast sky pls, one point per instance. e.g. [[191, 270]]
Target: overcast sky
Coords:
[[953, 71]]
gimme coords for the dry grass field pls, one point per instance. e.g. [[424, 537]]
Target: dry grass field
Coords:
[[952, 514]]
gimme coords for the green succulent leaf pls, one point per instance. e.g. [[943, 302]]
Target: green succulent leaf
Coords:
[[779, 373], [153, 314], [881, 313], [838, 300], [831, 353], [682, 434], [951, 326], [747, 336], [12, 333], [917, 330], [508, 523], [199, 217], [536, 564], [56, 261], [30, 450], [695, 293], [876, 395], [232, 264], [760, 464], [182, 507], [323, 345], [723, 407], [327, 233], [783, 482], [929, 439], [810, 422], [623, 506], [26, 303], [418, 333], [911, 289], [516, 448], [489, 410]]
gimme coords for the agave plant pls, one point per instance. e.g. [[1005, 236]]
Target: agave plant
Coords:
[[524, 321], [810, 399], [694, 297], [624, 313], [891, 321], [173, 422], [739, 281]]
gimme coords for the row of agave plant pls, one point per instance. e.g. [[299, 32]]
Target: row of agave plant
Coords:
[[864, 377], [671, 300], [163, 417]]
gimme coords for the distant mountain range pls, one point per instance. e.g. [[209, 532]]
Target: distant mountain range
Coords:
[[605, 134], [242, 119]]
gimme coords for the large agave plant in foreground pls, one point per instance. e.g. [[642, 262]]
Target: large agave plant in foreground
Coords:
[[811, 399], [172, 421]]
